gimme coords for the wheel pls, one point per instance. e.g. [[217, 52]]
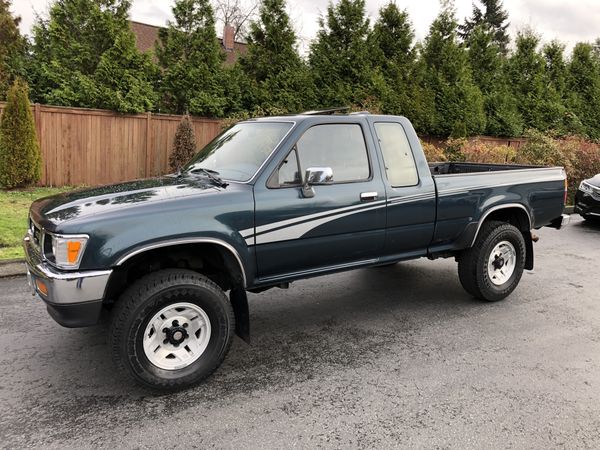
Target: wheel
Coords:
[[171, 329], [492, 268]]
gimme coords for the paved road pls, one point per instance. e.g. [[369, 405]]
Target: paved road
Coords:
[[385, 357]]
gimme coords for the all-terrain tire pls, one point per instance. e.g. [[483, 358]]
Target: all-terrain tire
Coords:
[[147, 297], [473, 262]]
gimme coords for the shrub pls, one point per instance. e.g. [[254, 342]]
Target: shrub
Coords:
[[488, 153], [433, 153], [454, 149], [184, 144], [583, 157], [20, 159]]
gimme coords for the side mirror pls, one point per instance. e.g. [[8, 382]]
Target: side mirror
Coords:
[[316, 176]]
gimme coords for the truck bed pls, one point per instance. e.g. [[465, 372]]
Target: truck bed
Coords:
[[450, 168]]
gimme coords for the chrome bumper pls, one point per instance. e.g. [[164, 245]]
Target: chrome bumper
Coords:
[[63, 288]]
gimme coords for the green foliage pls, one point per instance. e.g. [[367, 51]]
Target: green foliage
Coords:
[[191, 60], [487, 64], [583, 84], [12, 48], [20, 160], [458, 101], [84, 55], [277, 76], [539, 104], [493, 18], [184, 144], [339, 59], [397, 79]]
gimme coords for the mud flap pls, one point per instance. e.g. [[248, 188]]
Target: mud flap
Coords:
[[528, 250], [239, 301]]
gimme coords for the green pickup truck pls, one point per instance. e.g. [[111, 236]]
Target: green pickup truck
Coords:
[[267, 202]]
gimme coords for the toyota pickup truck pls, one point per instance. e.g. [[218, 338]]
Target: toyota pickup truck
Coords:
[[267, 202]]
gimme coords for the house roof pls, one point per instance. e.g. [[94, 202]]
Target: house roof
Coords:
[[146, 36]]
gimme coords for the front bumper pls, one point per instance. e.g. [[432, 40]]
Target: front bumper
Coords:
[[73, 299], [587, 204]]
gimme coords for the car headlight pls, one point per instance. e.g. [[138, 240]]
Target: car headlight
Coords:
[[584, 187], [65, 251]]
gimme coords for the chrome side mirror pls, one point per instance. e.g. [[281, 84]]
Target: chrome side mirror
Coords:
[[316, 176]]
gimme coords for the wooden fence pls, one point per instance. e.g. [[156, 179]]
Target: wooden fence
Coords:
[[91, 146], [88, 146]]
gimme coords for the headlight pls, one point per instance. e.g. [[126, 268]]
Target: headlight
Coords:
[[65, 251], [584, 187]]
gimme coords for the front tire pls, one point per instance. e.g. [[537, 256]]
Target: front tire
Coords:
[[171, 329], [493, 267]]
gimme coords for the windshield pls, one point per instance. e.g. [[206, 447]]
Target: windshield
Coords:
[[237, 153]]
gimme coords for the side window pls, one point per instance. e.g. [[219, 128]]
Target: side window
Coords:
[[339, 146], [289, 172], [397, 156]]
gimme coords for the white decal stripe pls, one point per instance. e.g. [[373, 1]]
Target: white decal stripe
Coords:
[[299, 230], [282, 223]]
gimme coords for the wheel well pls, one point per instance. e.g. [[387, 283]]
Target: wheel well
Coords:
[[210, 259], [519, 218], [513, 215]]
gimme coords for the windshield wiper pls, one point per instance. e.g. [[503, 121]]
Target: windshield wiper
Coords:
[[212, 175]]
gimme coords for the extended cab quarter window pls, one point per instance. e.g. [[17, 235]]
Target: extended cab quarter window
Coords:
[[397, 155], [339, 146]]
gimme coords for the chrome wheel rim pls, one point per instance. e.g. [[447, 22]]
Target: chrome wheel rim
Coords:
[[501, 263], [176, 336]]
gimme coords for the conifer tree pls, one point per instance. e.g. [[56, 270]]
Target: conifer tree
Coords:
[[339, 57], [20, 160], [279, 77], [487, 65], [540, 107], [494, 17], [458, 101], [184, 144], [583, 83], [191, 60], [12, 48], [84, 54]]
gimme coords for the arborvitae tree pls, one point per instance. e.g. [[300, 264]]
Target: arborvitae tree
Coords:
[[20, 160], [84, 54], [12, 48], [458, 101], [272, 64], [556, 66], [494, 17], [191, 60], [487, 64], [391, 44], [339, 57], [583, 84], [540, 107], [184, 144]]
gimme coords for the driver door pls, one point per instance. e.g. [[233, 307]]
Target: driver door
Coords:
[[343, 224]]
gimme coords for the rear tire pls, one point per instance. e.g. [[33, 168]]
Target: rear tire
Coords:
[[171, 329], [492, 268]]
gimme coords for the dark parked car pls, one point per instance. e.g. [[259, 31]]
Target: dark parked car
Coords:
[[587, 199], [268, 202]]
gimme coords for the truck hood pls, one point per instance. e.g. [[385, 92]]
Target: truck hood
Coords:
[[52, 211]]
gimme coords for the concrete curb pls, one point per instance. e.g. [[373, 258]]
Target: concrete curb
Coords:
[[12, 268]]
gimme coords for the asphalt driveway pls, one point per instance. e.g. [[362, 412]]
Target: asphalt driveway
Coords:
[[397, 356]]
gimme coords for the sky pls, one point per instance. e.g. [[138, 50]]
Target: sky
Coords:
[[569, 22]]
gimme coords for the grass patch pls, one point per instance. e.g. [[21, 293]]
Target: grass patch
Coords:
[[14, 209]]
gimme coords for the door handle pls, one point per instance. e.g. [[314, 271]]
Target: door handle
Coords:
[[368, 196]]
